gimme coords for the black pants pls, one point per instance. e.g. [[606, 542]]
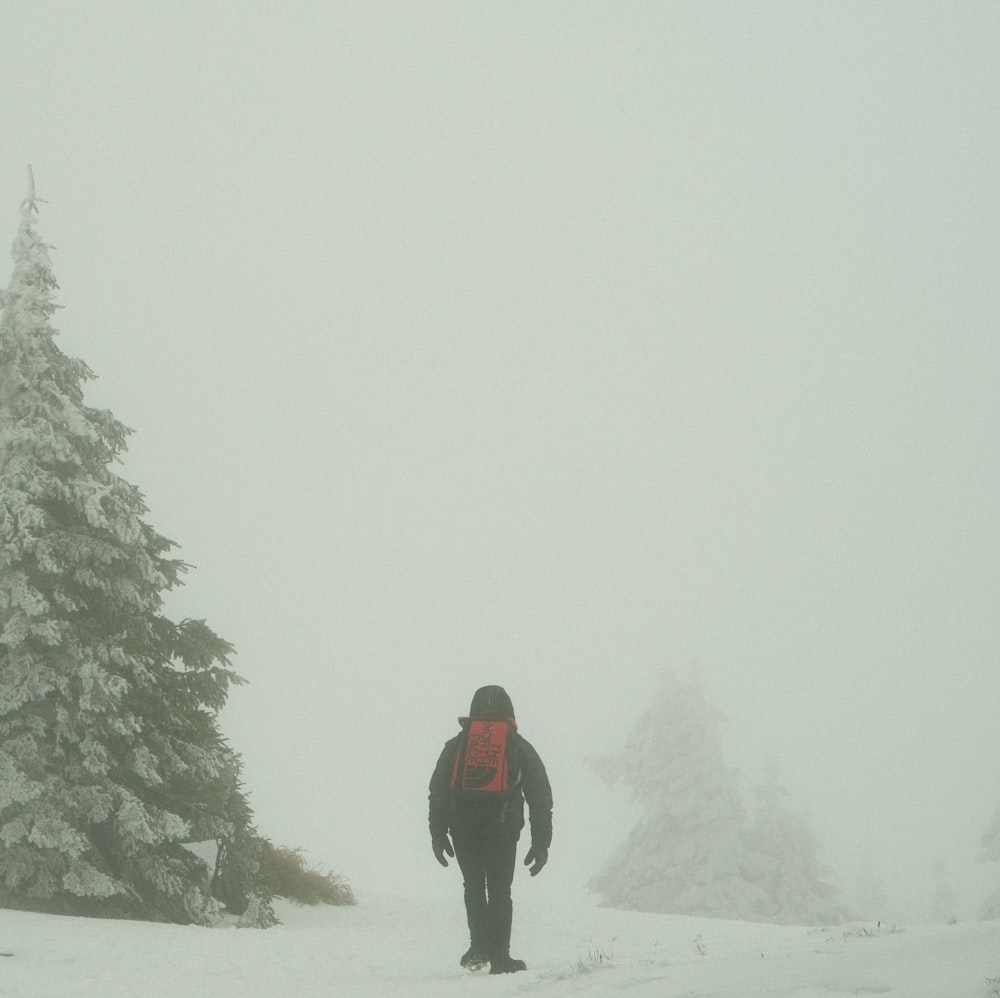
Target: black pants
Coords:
[[486, 859]]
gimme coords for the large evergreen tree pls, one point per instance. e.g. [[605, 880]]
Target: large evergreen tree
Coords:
[[110, 752], [687, 853]]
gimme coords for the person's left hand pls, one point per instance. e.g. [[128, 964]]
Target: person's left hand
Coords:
[[441, 845]]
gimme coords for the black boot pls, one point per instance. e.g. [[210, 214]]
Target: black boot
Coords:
[[506, 965], [473, 959]]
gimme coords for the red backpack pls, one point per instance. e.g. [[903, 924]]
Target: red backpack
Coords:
[[481, 765]]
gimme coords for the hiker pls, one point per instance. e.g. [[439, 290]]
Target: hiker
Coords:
[[481, 781]]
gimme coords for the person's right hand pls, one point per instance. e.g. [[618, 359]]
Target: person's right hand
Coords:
[[537, 856]]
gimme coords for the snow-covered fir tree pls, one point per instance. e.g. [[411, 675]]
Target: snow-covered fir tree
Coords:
[[784, 861], [110, 752], [944, 903], [990, 853], [870, 897], [687, 853]]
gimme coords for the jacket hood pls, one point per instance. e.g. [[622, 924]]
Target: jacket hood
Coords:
[[490, 703]]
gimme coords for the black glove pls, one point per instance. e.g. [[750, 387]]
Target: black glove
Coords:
[[441, 845], [538, 856]]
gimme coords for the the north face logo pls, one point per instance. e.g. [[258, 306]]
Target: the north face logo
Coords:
[[481, 766]]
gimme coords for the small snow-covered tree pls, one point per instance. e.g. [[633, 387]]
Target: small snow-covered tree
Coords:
[[870, 897], [687, 853], [944, 904], [110, 752], [784, 861], [990, 853]]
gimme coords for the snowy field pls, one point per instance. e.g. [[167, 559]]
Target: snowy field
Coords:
[[404, 946]]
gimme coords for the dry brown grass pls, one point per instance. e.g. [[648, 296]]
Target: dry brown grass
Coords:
[[283, 873]]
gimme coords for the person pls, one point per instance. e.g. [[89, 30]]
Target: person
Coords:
[[486, 823]]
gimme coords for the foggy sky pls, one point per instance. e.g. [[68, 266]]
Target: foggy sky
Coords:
[[551, 345]]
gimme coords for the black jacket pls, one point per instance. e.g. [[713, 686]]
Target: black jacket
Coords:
[[528, 780]]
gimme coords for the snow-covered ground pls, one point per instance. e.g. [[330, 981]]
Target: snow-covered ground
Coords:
[[408, 946]]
